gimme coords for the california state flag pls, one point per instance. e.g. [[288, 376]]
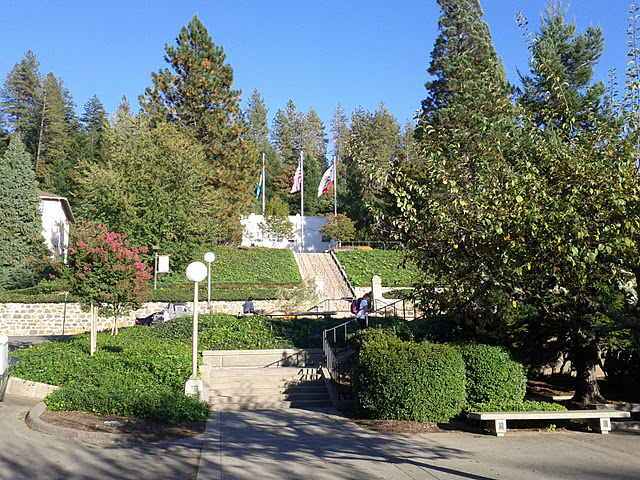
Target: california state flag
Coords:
[[326, 181]]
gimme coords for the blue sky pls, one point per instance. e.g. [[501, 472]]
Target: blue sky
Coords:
[[316, 53]]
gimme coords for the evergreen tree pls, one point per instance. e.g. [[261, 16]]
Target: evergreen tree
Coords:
[[559, 86], [19, 97], [196, 95], [20, 219], [372, 150], [94, 120], [469, 98], [52, 130], [166, 202], [257, 118], [315, 144], [288, 135], [4, 141], [294, 132]]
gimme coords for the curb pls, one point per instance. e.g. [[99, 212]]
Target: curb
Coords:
[[33, 420]]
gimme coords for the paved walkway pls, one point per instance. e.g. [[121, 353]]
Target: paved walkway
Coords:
[[298, 444], [320, 444]]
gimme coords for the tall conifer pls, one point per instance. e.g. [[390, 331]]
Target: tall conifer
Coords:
[[196, 94], [20, 218]]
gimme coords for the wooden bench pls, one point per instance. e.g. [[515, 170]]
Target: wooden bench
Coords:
[[599, 420]]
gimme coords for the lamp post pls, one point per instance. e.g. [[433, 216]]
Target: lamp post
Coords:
[[155, 248], [209, 257], [196, 272]]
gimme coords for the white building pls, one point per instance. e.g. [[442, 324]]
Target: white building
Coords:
[[313, 241], [56, 217]]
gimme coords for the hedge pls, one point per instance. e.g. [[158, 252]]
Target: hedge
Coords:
[[402, 380], [492, 376]]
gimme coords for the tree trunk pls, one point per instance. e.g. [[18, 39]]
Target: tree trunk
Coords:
[[114, 327], [586, 359], [94, 328], [37, 165]]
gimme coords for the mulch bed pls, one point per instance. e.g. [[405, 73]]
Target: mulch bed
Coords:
[[148, 431], [544, 388]]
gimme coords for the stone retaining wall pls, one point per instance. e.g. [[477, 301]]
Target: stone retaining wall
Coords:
[[22, 319]]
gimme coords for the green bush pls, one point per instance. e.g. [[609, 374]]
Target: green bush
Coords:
[[522, 406], [184, 293], [390, 265], [492, 376], [143, 370], [402, 380]]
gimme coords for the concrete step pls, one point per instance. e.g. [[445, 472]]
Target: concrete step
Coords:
[[266, 372], [256, 388], [249, 405], [268, 397], [264, 388], [316, 385], [270, 386]]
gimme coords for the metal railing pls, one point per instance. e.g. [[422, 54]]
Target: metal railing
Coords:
[[398, 308], [322, 306], [335, 341]]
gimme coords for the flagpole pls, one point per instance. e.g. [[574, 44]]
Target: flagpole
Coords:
[[263, 185], [302, 200], [335, 186]]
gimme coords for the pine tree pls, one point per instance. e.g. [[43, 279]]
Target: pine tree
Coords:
[[20, 218], [315, 138], [258, 124], [469, 98], [287, 133], [196, 95], [19, 98], [94, 121], [373, 148], [559, 86], [51, 129]]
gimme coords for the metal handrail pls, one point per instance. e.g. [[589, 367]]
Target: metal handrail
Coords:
[[330, 353], [323, 304], [394, 308]]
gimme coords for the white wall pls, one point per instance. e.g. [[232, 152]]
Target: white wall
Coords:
[[253, 236], [55, 228]]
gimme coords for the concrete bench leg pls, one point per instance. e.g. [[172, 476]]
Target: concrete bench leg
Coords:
[[601, 425], [497, 427]]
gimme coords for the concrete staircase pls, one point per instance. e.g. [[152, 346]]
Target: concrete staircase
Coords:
[[322, 265], [257, 388]]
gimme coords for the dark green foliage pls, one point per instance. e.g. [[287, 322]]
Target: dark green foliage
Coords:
[[371, 152], [492, 376], [559, 87], [21, 221], [142, 371], [19, 97], [195, 94], [133, 373], [521, 406], [397, 379], [390, 265]]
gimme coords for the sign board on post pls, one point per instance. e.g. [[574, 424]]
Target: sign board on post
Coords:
[[163, 263]]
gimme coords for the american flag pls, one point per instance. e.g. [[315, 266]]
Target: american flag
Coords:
[[297, 179]]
